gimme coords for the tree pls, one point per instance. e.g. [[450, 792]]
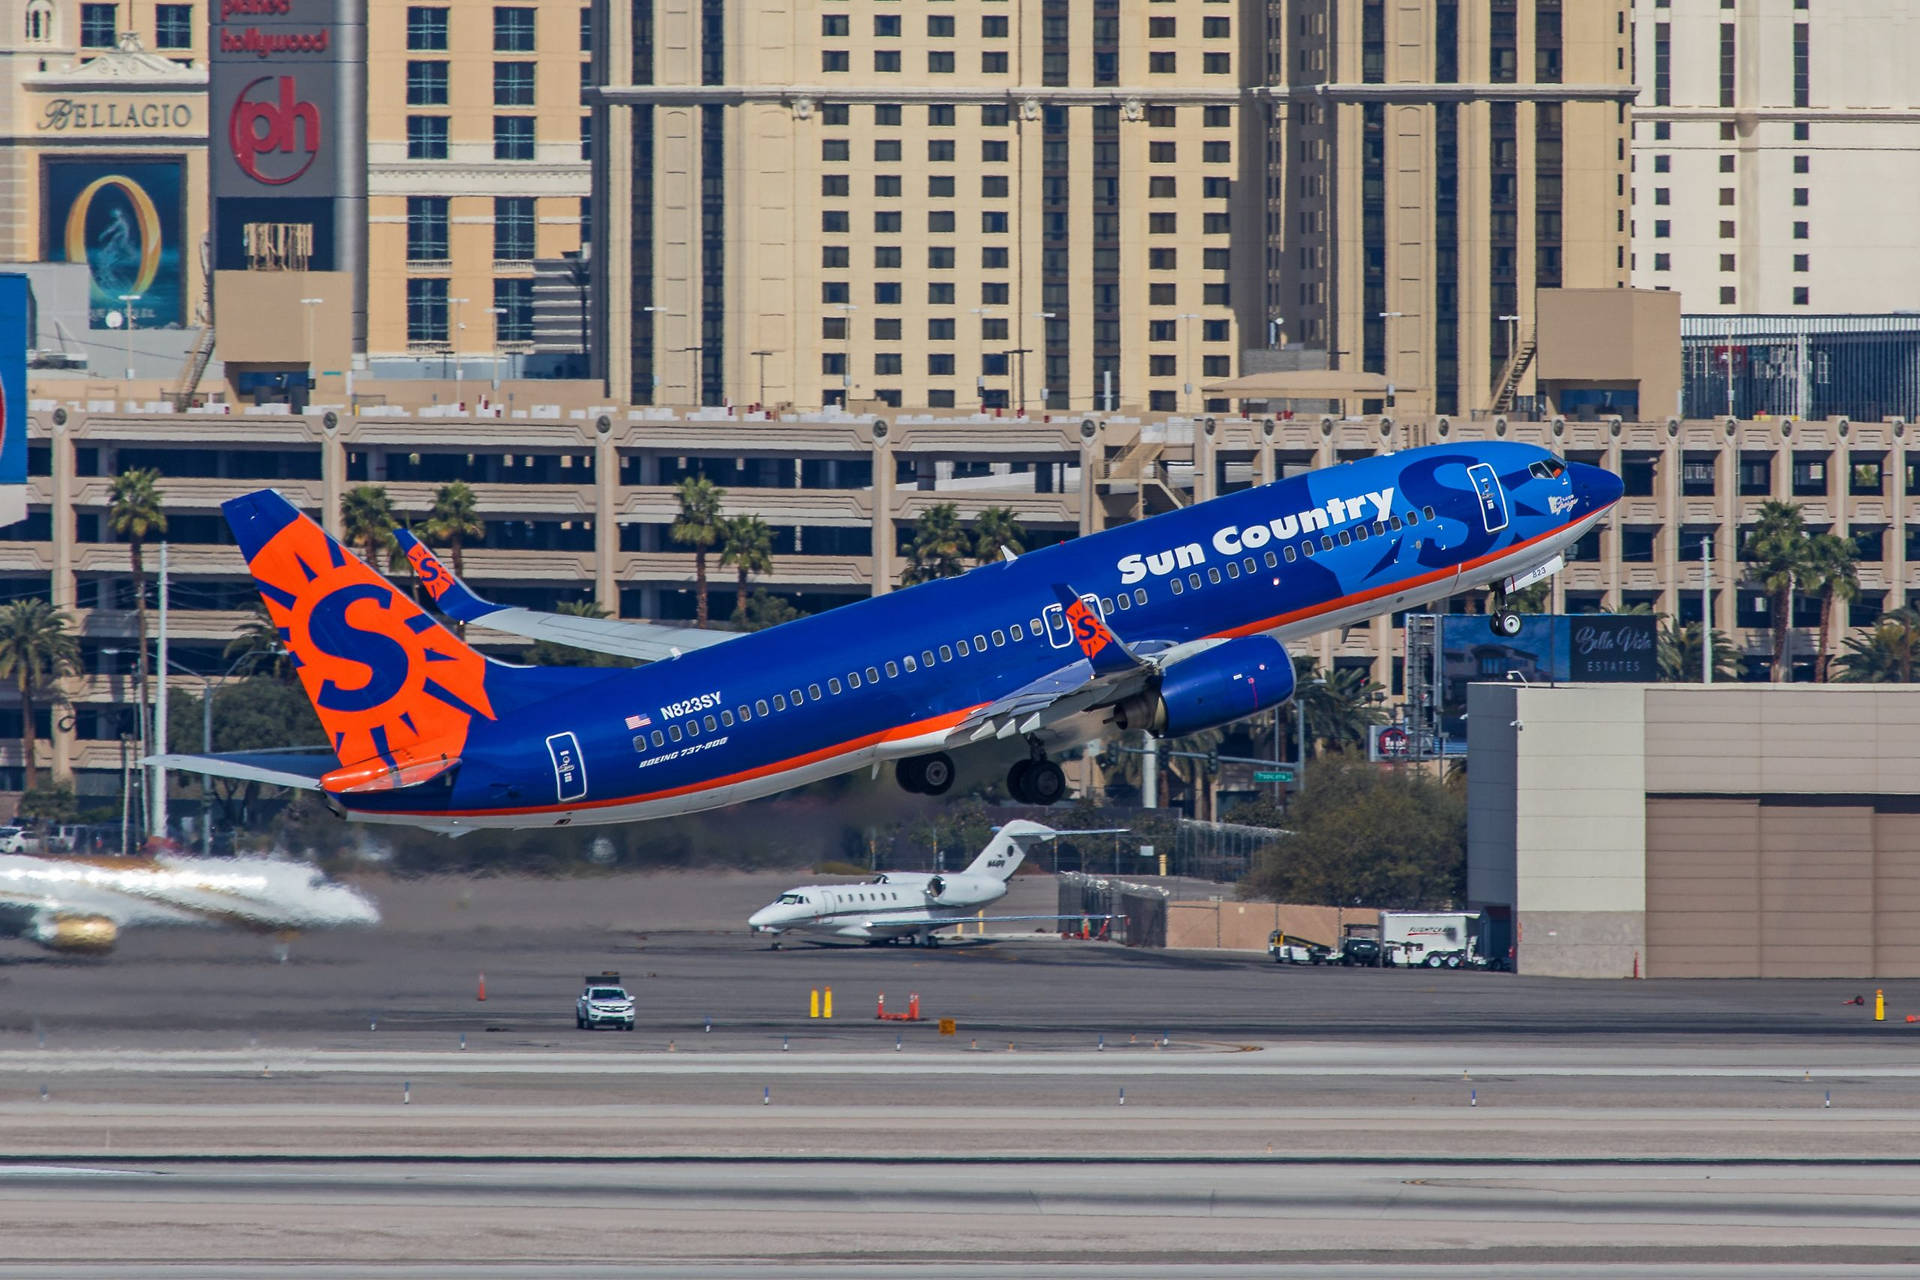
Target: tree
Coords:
[[367, 520], [1367, 834], [938, 548], [1888, 654], [136, 511], [746, 543], [258, 641], [454, 519], [698, 527], [1340, 706], [258, 713], [1778, 552], [1832, 573], [993, 529], [35, 647], [762, 611], [1679, 653], [546, 653]]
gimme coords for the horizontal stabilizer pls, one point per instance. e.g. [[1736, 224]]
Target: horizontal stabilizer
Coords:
[[300, 769]]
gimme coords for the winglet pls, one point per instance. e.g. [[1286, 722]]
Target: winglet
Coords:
[[1102, 648], [449, 594]]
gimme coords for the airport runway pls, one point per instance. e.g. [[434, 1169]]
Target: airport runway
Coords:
[[1098, 1110]]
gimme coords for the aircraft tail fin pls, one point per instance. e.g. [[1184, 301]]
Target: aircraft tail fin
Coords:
[[396, 692]]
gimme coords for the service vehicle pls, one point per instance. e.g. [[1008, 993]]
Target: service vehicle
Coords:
[[1434, 939], [1365, 953], [18, 840], [1285, 948], [603, 1002]]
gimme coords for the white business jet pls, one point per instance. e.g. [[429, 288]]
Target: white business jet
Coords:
[[908, 904]]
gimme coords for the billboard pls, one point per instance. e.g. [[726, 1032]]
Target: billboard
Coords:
[[1577, 648], [124, 219], [16, 306]]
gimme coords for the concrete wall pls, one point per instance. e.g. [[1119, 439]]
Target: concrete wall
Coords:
[[1245, 926]]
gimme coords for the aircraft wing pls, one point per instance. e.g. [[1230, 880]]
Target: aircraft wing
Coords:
[[1106, 670], [646, 641], [928, 920], [299, 769]]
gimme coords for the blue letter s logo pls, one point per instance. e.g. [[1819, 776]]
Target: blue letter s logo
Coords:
[[384, 657]]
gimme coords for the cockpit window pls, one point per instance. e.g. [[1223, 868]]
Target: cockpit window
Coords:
[[791, 900], [1552, 469]]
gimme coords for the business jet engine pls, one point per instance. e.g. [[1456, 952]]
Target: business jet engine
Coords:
[[88, 935], [1216, 686]]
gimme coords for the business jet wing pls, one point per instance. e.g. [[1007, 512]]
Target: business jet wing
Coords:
[[646, 641], [927, 920]]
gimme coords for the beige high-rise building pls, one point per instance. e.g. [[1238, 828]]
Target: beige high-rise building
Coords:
[[476, 170], [1773, 148], [1442, 161]]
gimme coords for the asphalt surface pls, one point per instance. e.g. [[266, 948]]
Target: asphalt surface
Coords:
[[195, 1103]]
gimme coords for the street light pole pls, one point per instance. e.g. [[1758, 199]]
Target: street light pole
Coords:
[[1042, 317], [126, 310], [980, 378], [1186, 363], [657, 311], [459, 373], [496, 313]]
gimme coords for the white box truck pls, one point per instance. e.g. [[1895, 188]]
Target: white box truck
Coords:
[[1432, 939]]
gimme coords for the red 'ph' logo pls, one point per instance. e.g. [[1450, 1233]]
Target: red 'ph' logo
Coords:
[[256, 129]]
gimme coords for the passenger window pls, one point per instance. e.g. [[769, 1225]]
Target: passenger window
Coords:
[[1326, 542], [1193, 580], [1306, 549], [960, 646], [1176, 585], [779, 702], [1394, 524], [926, 657], [893, 671], [693, 728], [813, 691], [726, 718], [1359, 531], [1233, 568], [946, 653], [711, 723], [639, 742], [1427, 511], [760, 705], [1035, 627], [1413, 517], [1345, 537], [999, 637], [673, 731], [1106, 605], [1273, 561], [746, 713], [909, 662], [979, 644], [1015, 633], [1286, 551], [833, 685], [1213, 576], [1139, 595], [1251, 566], [1125, 602], [853, 679], [659, 739], [873, 675], [799, 699]]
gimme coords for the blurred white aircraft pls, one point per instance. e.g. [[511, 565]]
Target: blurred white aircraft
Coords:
[[909, 904], [82, 904]]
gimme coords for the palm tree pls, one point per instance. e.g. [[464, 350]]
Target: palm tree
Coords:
[[746, 543], [367, 520], [1778, 553], [1680, 653], [258, 639], [939, 546], [698, 527], [135, 512], [1830, 571], [35, 647], [453, 520], [995, 529], [1340, 705], [1889, 654]]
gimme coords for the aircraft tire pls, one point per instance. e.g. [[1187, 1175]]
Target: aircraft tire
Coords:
[[1505, 624], [1045, 782], [1017, 782], [911, 774], [936, 773]]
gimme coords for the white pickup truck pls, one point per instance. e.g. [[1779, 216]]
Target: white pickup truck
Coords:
[[603, 1002]]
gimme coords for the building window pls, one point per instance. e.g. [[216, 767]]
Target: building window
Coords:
[[1162, 63], [833, 292], [1800, 231], [940, 149], [1726, 295], [993, 152], [1726, 262], [1800, 197], [993, 186], [993, 64], [835, 184], [940, 330], [426, 311], [835, 257], [886, 149], [993, 223], [1662, 164], [887, 222], [1215, 64], [940, 115], [99, 26], [886, 293], [939, 259], [1663, 195], [514, 298], [1161, 188], [1163, 224], [39, 22], [1162, 295], [513, 137], [426, 84], [940, 26], [1800, 295], [1726, 197], [886, 115], [1217, 152], [993, 259], [1803, 164], [513, 84], [1663, 262], [513, 29], [426, 28], [513, 228], [1728, 64], [886, 25], [1662, 229], [1726, 231], [173, 26], [835, 221], [940, 220], [940, 366], [940, 294], [835, 60], [886, 59], [886, 256], [426, 228], [426, 137], [835, 24], [1162, 367], [940, 63], [1801, 262], [1802, 63], [1662, 69], [835, 149], [887, 363], [886, 186]]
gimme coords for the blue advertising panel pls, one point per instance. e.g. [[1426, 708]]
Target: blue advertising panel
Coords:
[[15, 302], [1580, 648], [123, 219]]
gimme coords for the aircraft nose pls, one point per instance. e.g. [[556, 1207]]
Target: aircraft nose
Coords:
[[764, 916], [1594, 488]]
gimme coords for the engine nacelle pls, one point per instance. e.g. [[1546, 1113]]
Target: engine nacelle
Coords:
[[91, 934], [1218, 686]]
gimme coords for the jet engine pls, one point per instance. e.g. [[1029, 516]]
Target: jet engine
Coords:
[[92, 935], [936, 887], [1214, 687]]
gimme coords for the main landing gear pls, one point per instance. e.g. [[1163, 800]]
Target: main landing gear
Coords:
[[1036, 780], [928, 775], [1504, 622]]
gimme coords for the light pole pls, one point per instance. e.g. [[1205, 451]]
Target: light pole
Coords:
[[846, 354], [1022, 353], [1042, 317], [307, 305], [980, 379], [209, 686], [1276, 331], [1186, 361], [693, 370], [459, 374], [761, 356], [126, 309], [658, 311], [496, 313]]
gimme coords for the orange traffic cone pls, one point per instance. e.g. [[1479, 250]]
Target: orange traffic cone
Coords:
[[482, 995]]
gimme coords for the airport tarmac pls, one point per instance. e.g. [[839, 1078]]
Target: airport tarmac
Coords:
[[1149, 1113]]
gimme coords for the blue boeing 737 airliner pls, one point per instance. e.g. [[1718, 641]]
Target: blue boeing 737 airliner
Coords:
[[1168, 625]]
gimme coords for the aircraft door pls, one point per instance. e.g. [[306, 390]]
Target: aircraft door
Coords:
[[569, 768], [1493, 498]]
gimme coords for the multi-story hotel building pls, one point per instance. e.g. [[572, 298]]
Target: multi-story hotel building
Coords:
[[1766, 142], [1076, 206]]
